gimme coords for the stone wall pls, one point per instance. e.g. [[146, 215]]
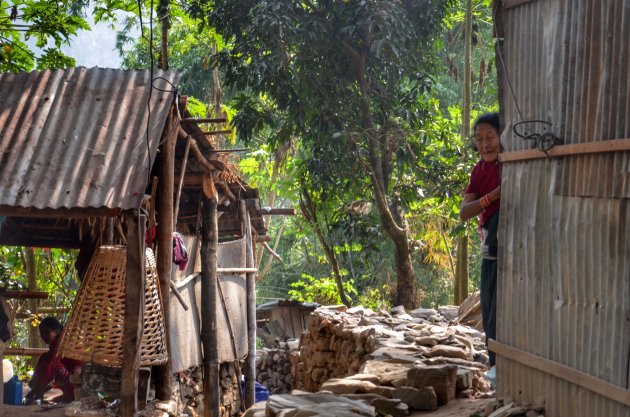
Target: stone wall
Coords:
[[401, 361], [188, 391], [273, 367]]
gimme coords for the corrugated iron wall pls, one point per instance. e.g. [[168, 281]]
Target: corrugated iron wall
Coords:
[[564, 271]]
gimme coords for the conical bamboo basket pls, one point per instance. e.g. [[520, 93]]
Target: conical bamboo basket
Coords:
[[94, 333]]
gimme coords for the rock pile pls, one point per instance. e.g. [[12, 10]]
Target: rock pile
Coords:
[[303, 404], [273, 367], [506, 407], [395, 361], [188, 391]]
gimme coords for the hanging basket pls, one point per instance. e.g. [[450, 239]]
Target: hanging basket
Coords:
[[95, 331]]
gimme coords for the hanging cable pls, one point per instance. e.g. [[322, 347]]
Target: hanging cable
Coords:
[[530, 130]]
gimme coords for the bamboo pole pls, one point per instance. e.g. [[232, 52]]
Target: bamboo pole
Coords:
[[165, 211], [250, 361], [209, 246], [134, 313]]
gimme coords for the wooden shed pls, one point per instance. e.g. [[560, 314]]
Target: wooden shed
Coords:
[[563, 314], [98, 156]]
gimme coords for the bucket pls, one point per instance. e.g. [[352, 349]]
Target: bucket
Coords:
[[13, 391]]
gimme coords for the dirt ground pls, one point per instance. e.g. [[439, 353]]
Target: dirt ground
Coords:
[[457, 408], [33, 411]]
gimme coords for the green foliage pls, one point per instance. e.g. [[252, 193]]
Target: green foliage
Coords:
[[376, 298], [319, 290], [51, 24], [55, 273]]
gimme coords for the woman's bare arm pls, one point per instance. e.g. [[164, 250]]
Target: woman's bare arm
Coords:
[[472, 204]]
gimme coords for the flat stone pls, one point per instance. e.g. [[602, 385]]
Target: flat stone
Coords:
[[417, 399], [384, 406], [443, 379], [314, 405], [256, 410], [347, 386], [464, 379], [423, 313], [375, 379], [426, 341], [383, 391], [448, 351]]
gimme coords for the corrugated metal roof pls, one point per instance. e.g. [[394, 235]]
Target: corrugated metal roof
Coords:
[[564, 292], [76, 138]]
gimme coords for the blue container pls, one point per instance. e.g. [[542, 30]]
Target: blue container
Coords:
[[13, 391], [261, 393]]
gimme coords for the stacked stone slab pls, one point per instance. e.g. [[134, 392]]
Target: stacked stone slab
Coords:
[[188, 391], [394, 360], [273, 367]]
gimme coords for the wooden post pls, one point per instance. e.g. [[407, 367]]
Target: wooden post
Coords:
[[34, 340], [164, 207], [250, 361], [209, 245], [134, 314], [1, 379]]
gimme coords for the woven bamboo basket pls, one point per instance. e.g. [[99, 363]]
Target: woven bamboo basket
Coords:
[[95, 331]]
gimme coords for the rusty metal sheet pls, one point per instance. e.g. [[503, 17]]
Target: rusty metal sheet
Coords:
[[77, 138], [564, 292], [185, 328]]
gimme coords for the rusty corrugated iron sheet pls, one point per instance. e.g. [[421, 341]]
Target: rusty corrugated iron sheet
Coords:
[[564, 291], [76, 138]]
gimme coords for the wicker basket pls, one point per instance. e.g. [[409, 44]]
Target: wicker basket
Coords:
[[95, 331]]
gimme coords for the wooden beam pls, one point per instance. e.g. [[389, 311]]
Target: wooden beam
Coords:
[[278, 211], [165, 214], [513, 3], [134, 313], [250, 360], [204, 120], [573, 376], [237, 270], [602, 146], [24, 295], [65, 213], [213, 133], [24, 351], [209, 246]]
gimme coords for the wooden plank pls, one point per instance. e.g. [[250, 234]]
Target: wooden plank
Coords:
[[278, 211], [165, 213], [204, 120], [65, 213], [603, 146], [24, 295], [237, 270], [134, 313], [250, 360], [209, 245], [24, 351], [588, 382], [507, 4]]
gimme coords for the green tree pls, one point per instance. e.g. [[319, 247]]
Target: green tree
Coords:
[[50, 23], [348, 76]]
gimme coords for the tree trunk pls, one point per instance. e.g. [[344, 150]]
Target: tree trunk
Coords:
[[461, 273], [405, 289], [310, 214], [164, 14]]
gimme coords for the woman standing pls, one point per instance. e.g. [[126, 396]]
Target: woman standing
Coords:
[[482, 198]]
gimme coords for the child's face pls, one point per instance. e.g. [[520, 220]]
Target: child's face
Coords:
[[48, 336]]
